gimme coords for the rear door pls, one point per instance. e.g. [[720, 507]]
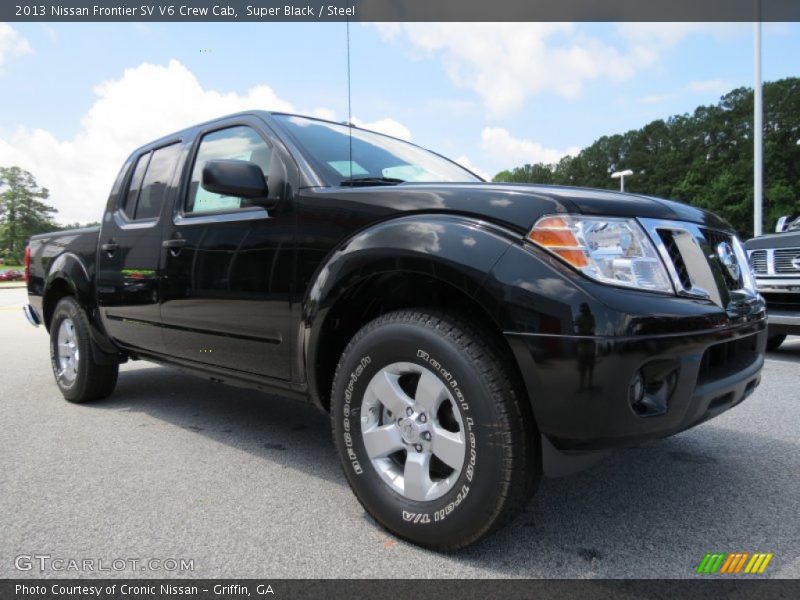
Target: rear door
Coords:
[[229, 265], [129, 250]]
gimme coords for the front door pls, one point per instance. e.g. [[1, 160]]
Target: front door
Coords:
[[129, 250], [229, 265]]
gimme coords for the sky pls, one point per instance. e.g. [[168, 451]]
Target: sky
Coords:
[[77, 98]]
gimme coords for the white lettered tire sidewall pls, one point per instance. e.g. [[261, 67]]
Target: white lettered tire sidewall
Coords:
[[465, 512]]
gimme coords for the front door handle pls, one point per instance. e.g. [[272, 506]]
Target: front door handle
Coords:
[[174, 245], [109, 248]]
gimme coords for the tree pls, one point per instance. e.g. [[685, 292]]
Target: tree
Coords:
[[23, 212], [704, 158]]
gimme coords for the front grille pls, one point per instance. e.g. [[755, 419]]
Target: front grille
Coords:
[[714, 239], [782, 301], [674, 252], [694, 255], [758, 259], [787, 261]]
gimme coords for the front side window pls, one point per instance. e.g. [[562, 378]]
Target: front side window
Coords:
[[234, 143], [350, 156]]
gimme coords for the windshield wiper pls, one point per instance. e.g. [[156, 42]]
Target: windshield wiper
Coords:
[[355, 181]]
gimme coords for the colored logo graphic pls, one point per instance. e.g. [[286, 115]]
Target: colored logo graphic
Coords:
[[734, 563]]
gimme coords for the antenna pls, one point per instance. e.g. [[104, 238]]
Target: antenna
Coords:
[[349, 101]]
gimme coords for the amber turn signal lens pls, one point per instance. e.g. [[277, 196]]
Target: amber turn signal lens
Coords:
[[553, 237], [554, 234], [574, 257]]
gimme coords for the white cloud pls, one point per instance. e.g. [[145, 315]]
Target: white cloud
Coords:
[[324, 113], [654, 98], [665, 35], [515, 152], [12, 43], [506, 63], [126, 114], [388, 126], [465, 162], [716, 86]]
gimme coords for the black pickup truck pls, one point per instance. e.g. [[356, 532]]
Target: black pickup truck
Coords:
[[776, 261], [464, 336]]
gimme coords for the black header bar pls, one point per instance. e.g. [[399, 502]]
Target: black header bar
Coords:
[[352, 589], [399, 10]]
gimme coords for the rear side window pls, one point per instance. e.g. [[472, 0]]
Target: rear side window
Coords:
[[149, 183], [237, 143], [129, 204]]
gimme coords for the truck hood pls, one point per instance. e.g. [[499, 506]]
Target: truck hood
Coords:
[[519, 206], [787, 239]]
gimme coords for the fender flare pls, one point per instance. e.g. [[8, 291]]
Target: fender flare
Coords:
[[70, 269], [456, 250]]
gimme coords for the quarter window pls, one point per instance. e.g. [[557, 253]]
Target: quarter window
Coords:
[[236, 143]]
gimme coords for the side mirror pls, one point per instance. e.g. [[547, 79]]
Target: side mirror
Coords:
[[240, 178], [780, 226]]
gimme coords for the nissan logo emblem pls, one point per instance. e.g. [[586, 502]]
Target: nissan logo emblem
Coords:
[[728, 260]]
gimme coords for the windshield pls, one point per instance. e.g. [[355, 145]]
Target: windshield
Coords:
[[376, 159]]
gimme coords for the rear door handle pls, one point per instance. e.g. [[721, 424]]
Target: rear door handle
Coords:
[[174, 245], [109, 248]]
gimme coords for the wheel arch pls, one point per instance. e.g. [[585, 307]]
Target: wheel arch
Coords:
[[422, 261], [69, 276]]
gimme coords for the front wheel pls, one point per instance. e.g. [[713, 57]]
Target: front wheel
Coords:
[[79, 377], [433, 433]]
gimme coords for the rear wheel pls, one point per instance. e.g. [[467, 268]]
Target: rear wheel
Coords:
[[79, 377], [774, 342], [432, 430]]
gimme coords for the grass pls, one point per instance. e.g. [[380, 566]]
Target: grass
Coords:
[[11, 267]]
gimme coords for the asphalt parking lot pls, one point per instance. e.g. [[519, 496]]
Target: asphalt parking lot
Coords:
[[248, 485]]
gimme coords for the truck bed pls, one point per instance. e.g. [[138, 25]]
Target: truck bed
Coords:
[[46, 248]]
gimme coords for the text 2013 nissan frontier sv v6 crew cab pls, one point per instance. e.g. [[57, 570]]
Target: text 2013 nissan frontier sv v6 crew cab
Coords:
[[465, 336]]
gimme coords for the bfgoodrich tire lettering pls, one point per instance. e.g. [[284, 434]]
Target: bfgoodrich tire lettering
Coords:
[[461, 501], [78, 376]]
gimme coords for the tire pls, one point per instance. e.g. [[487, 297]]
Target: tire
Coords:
[[774, 342], [460, 390], [80, 379]]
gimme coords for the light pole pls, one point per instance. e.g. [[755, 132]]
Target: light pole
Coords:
[[621, 175], [758, 129]]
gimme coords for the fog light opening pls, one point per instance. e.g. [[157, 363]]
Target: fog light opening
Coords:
[[651, 388], [636, 390]]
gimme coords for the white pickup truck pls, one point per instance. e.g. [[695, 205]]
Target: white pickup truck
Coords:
[[776, 261]]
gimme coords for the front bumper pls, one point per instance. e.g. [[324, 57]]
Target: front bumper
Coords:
[[783, 304], [580, 386]]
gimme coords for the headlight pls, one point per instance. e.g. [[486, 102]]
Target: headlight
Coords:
[[610, 250]]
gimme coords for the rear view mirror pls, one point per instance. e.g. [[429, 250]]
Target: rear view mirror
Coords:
[[240, 178], [780, 226]]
